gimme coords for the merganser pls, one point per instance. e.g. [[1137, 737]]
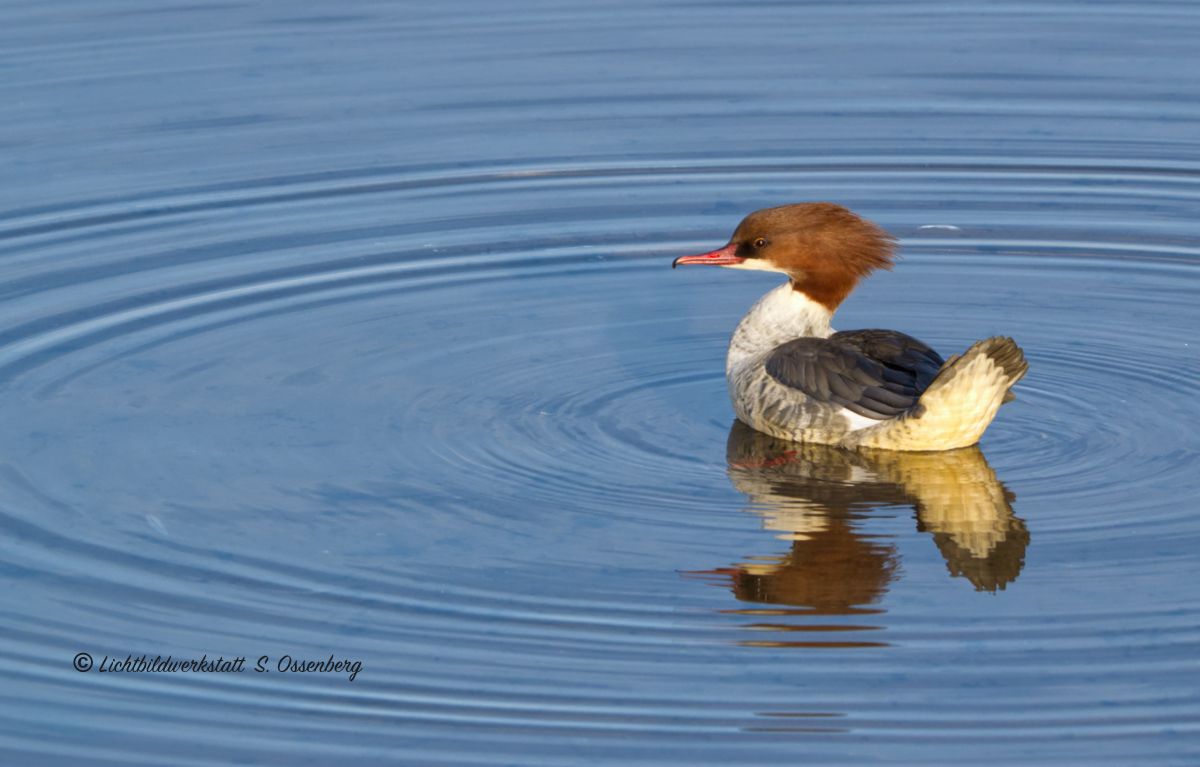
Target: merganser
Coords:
[[791, 376]]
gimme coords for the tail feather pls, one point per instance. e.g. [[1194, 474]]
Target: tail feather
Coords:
[[958, 405]]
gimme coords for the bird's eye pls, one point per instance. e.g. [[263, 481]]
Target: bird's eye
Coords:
[[760, 243]]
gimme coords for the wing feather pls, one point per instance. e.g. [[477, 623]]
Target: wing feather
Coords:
[[878, 374]]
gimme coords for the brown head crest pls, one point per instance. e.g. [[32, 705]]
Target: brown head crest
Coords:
[[825, 248]]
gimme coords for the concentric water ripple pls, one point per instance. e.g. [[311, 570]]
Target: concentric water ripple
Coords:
[[465, 426]]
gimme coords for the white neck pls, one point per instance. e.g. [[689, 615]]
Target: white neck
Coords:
[[780, 316]]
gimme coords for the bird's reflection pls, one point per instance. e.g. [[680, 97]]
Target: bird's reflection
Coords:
[[818, 497]]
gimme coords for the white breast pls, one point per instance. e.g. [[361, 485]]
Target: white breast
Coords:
[[780, 316]]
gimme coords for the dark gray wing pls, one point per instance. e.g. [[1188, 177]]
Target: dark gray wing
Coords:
[[844, 370], [905, 356]]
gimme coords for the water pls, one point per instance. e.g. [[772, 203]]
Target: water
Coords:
[[350, 331]]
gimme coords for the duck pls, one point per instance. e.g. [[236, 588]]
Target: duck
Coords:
[[790, 375]]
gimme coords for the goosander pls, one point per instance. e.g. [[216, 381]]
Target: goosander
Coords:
[[791, 376]]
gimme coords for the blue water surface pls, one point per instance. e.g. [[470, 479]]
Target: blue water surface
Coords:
[[345, 333]]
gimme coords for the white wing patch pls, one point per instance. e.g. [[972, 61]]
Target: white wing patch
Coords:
[[858, 421]]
